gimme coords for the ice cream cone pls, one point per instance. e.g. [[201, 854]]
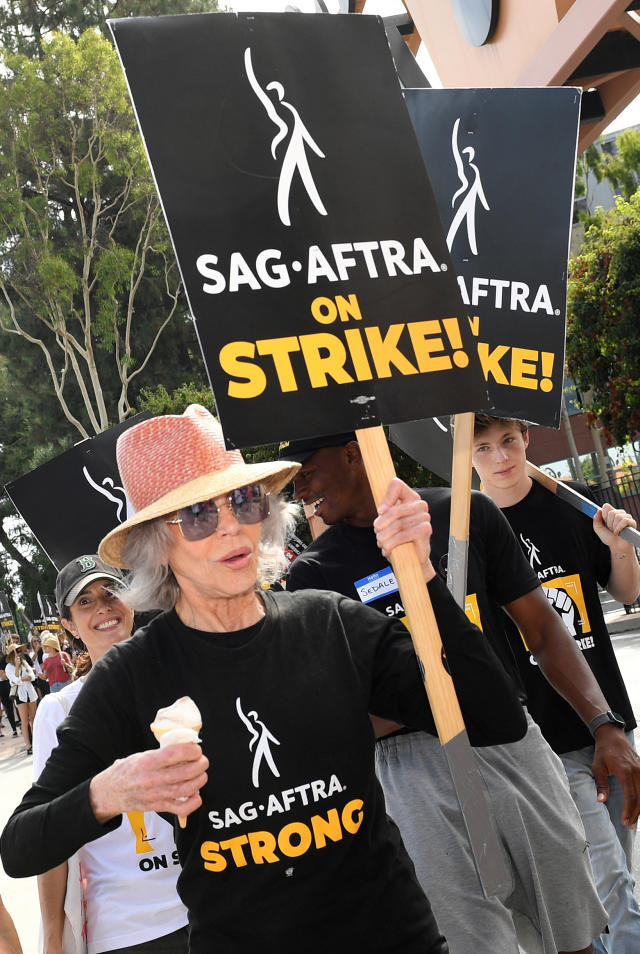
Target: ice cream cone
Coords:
[[177, 723]]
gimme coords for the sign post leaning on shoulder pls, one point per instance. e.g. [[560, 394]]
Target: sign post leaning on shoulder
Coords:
[[303, 221]]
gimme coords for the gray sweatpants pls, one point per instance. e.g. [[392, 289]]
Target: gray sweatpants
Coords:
[[540, 831]]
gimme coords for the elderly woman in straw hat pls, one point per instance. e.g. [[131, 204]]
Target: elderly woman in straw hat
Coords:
[[287, 845]]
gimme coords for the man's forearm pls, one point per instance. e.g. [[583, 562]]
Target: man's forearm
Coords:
[[624, 580], [557, 654]]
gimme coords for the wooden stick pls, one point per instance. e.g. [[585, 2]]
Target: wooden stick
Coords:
[[414, 595], [576, 500], [460, 507], [483, 839], [316, 525]]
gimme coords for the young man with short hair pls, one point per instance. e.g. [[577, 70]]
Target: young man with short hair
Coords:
[[537, 820], [571, 555]]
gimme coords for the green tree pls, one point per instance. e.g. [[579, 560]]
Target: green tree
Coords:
[[619, 165], [81, 228], [27, 27], [588, 166], [90, 299], [603, 345]]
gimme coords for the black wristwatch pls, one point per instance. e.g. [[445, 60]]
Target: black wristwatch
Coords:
[[607, 716]]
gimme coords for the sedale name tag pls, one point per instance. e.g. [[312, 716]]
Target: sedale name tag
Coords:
[[376, 585]]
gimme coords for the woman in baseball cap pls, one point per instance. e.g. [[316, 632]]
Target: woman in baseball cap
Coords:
[[121, 905]]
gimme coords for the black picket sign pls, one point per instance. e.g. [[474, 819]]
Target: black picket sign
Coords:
[[303, 221], [502, 166], [72, 502]]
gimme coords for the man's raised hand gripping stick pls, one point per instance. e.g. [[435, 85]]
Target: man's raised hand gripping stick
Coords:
[[570, 496]]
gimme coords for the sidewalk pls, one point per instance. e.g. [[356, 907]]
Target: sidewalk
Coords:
[[20, 896], [617, 620]]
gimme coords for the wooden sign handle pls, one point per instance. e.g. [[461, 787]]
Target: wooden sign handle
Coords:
[[461, 475], [460, 507], [414, 595], [316, 525]]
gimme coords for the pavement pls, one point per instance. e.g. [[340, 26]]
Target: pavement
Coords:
[[616, 617], [19, 896]]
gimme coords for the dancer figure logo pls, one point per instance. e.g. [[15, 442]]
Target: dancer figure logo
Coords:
[[259, 743], [472, 193], [117, 495], [295, 155], [532, 551]]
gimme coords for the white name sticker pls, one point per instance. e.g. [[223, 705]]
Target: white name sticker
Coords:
[[375, 585]]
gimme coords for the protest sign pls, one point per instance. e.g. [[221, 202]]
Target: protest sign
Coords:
[[37, 622], [71, 502], [505, 200], [303, 221], [49, 612], [502, 166], [8, 628], [430, 443]]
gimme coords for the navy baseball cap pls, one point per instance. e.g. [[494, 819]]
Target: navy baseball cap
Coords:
[[303, 449]]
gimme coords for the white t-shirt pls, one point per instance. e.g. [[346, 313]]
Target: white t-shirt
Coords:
[[37, 668], [130, 874], [24, 682]]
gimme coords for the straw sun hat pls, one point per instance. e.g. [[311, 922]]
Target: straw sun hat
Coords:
[[50, 640], [176, 460]]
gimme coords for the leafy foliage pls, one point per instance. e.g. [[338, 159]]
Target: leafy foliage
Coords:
[[81, 229], [90, 297], [603, 345], [618, 164], [27, 27]]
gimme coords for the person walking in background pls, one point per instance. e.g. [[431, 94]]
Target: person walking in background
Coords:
[[5, 695], [22, 676], [571, 555], [36, 655], [104, 892], [57, 664]]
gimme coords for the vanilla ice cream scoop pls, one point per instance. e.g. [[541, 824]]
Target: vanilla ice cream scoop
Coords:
[[177, 723], [183, 713]]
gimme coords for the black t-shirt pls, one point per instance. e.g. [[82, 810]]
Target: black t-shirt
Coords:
[[347, 560], [292, 849], [570, 561]]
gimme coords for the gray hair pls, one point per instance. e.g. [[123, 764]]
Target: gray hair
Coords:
[[145, 550]]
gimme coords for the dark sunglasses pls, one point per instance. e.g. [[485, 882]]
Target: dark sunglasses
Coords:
[[248, 504]]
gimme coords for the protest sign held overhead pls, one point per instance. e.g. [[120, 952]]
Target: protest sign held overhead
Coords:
[[72, 502], [303, 221], [8, 628], [502, 166], [49, 612]]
